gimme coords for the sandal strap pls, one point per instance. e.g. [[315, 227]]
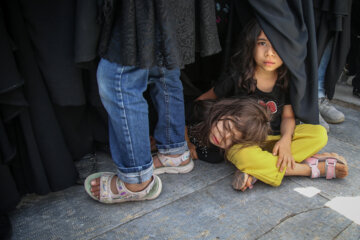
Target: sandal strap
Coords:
[[167, 161], [107, 196], [125, 193], [330, 164], [105, 187], [313, 164]]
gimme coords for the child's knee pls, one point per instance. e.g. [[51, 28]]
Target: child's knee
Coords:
[[240, 157], [320, 135]]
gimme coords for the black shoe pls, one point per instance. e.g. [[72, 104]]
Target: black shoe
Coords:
[[5, 227], [85, 166], [356, 92]]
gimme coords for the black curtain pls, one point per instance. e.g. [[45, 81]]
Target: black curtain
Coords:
[[289, 24], [51, 114], [332, 20]]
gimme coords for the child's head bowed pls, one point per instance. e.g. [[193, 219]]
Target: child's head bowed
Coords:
[[233, 121]]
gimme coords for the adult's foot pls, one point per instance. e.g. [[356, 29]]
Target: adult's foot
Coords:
[[329, 112]]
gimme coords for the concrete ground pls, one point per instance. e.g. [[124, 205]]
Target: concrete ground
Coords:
[[202, 204]]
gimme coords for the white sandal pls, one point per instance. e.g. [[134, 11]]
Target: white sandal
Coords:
[[152, 191], [172, 164]]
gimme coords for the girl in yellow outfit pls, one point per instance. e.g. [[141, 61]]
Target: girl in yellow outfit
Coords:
[[261, 74], [307, 140]]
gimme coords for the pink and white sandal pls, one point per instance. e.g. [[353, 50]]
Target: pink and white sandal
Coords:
[[330, 164]]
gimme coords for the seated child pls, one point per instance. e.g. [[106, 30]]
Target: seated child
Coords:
[[259, 72], [240, 126]]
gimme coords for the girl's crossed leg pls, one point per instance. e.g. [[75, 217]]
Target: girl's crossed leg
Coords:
[[261, 164]]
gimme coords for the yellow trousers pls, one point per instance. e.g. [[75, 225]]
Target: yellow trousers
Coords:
[[259, 162]]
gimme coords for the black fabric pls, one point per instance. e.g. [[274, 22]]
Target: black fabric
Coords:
[[332, 19], [84, 126], [51, 26], [39, 137], [274, 100], [75, 125], [41, 148], [12, 104], [11, 196], [164, 33], [353, 59], [240, 14], [210, 154], [198, 77], [289, 25], [5, 227], [87, 31]]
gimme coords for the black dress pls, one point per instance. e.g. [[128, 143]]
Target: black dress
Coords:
[[165, 33]]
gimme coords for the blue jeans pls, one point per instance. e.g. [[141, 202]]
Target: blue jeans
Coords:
[[121, 90], [325, 58]]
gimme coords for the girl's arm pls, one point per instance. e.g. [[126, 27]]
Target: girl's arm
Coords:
[[224, 87], [283, 147], [207, 95]]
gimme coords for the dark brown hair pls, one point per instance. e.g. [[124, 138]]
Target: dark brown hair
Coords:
[[247, 116], [243, 60]]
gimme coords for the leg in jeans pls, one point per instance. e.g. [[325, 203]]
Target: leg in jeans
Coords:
[[327, 111], [167, 95], [121, 90], [325, 58], [321, 80]]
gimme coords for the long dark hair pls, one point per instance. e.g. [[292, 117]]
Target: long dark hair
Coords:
[[243, 60], [247, 116]]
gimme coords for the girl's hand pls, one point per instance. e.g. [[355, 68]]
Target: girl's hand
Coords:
[[192, 148], [283, 149]]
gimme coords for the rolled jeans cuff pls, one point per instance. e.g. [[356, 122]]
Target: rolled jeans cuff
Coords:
[[137, 177], [173, 149]]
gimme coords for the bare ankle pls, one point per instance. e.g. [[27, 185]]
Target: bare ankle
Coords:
[[137, 187], [174, 155]]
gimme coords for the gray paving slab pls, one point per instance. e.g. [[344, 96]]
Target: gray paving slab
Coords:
[[340, 187], [202, 205], [343, 93], [71, 214], [218, 212], [349, 130], [351, 232], [322, 223]]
